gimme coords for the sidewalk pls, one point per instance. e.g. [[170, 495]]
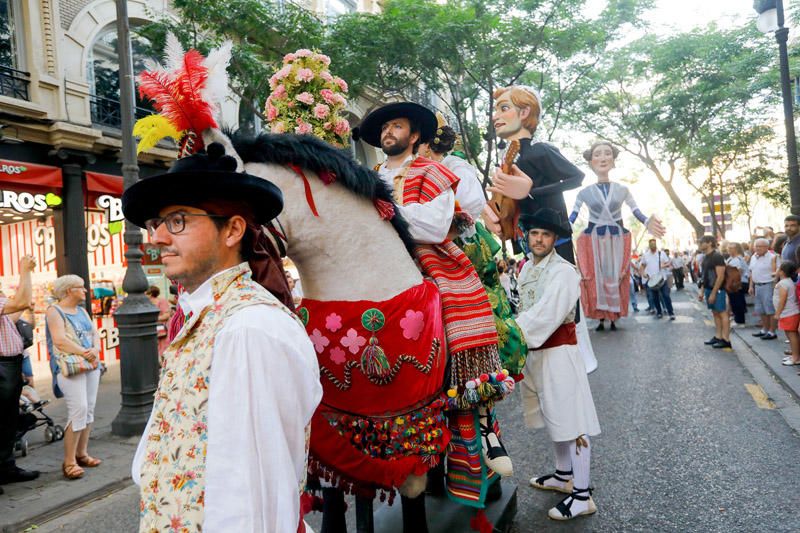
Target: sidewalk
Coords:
[[769, 352], [26, 504]]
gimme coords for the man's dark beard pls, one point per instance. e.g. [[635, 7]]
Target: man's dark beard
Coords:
[[400, 146]]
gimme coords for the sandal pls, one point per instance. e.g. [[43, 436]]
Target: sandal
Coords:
[[539, 482], [88, 460], [72, 471], [563, 509], [495, 457]]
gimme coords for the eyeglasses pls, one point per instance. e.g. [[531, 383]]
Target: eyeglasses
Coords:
[[175, 222]]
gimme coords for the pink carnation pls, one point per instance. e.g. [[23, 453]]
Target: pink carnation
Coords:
[[304, 52], [325, 75], [323, 58], [305, 97], [303, 127], [305, 74], [321, 111], [272, 112], [283, 72], [338, 99], [328, 126], [342, 127], [279, 93], [341, 83], [288, 58], [273, 81], [279, 127], [327, 95]]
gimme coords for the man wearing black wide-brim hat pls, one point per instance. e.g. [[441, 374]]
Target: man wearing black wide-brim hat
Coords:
[[425, 194], [225, 446], [556, 393]]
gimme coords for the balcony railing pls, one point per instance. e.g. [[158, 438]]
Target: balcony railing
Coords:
[[106, 112], [14, 83]]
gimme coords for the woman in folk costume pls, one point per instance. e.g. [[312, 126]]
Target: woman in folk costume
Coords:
[[425, 192], [479, 244], [604, 248], [225, 446], [555, 393]]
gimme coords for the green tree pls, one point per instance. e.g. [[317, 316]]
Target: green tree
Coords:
[[691, 104], [262, 32], [461, 51]]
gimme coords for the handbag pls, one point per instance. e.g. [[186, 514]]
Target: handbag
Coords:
[[71, 364], [733, 279], [25, 329]]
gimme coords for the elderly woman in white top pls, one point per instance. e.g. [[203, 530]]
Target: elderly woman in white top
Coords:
[[604, 248], [71, 331]]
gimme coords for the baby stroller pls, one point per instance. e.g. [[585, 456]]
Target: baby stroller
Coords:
[[32, 416]]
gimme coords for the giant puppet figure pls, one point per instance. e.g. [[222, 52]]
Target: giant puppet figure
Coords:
[[604, 248], [540, 174], [538, 178]]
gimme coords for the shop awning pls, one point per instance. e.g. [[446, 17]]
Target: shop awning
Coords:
[[23, 173], [104, 183]]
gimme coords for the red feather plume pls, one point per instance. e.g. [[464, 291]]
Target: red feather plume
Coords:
[[176, 95]]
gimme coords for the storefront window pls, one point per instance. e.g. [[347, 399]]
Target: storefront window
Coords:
[[103, 76]]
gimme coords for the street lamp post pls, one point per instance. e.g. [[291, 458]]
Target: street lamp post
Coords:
[[771, 18], [136, 317]]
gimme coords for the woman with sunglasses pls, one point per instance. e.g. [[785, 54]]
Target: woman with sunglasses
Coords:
[[70, 330]]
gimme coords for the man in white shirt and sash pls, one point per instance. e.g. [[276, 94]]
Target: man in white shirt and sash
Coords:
[[556, 393], [225, 446]]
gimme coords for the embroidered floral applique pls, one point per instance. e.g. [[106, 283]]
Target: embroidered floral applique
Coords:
[[320, 341], [353, 341], [338, 356], [412, 324], [333, 322]]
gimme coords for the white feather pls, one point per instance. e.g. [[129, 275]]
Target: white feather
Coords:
[[173, 53], [217, 62]]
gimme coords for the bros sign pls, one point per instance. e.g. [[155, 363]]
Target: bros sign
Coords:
[[23, 202], [99, 235]]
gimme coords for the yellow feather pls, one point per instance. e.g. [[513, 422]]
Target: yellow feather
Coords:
[[152, 129]]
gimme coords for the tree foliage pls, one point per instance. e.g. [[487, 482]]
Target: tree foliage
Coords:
[[695, 104], [460, 51]]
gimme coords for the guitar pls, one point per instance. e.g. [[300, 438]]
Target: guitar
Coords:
[[505, 208]]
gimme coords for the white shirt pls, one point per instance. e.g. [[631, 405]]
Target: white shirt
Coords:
[[429, 223], [469, 192], [677, 262], [762, 268], [654, 262], [264, 387]]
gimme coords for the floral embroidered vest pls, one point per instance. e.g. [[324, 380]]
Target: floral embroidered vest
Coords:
[[534, 278], [173, 469]]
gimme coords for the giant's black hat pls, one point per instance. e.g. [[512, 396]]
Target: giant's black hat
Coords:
[[545, 218], [370, 128], [202, 178]]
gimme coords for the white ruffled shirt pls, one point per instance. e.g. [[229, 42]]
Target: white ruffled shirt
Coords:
[[429, 222], [264, 387]]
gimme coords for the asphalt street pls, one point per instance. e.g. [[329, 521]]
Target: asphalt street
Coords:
[[685, 446]]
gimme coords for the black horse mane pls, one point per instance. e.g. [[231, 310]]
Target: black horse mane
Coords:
[[316, 155]]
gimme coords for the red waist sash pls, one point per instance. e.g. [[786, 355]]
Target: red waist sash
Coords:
[[565, 334]]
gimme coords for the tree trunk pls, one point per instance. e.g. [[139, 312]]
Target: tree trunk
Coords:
[[697, 226]]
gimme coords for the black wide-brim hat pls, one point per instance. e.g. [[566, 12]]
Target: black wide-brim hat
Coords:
[[545, 218], [201, 178], [370, 128]]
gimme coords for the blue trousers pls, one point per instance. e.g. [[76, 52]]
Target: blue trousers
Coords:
[[633, 294], [661, 299]]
